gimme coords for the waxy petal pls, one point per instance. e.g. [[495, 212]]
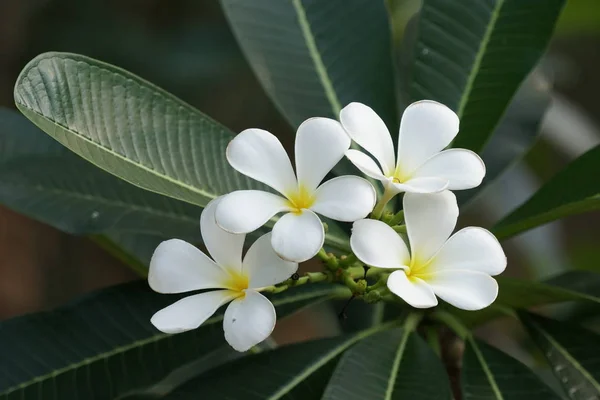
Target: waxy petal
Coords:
[[414, 291], [421, 185], [191, 312], [264, 267], [467, 290], [245, 211], [426, 128], [430, 219], [463, 169], [470, 249], [365, 164], [367, 129], [298, 237], [345, 198], [259, 154], [177, 267], [376, 244], [320, 145], [224, 247], [248, 320]]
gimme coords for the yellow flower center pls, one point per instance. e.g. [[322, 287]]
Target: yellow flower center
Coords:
[[400, 176], [237, 281], [417, 268], [300, 199]]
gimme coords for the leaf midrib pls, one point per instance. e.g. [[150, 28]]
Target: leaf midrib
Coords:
[[565, 353], [326, 293], [486, 370]]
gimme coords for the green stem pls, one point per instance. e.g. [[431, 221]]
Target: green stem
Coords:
[[399, 228], [312, 277], [433, 338], [388, 194], [397, 218], [452, 322]]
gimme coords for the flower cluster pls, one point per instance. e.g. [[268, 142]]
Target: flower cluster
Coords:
[[456, 268]]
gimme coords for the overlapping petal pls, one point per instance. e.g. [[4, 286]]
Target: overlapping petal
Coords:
[[367, 129], [471, 249], [345, 198], [224, 247], [414, 291], [378, 245], [366, 165], [467, 290], [248, 320], [264, 266], [259, 154], [430, 219], [320, 145], [421, 185], [177, 267], [298, 237], [244, 211], [462, 168], [426, 128], [191, 312]]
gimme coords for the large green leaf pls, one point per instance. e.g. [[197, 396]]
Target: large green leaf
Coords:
[[394, 364], [298, 371], [104, 345], [136, 131], [520, 294], [574, 190], [314, 57], [514, 135], [472, 56], [573, 354], [487, 373], [128, 127]]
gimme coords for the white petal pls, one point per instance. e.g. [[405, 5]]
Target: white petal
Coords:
[[467, 290], [471, 249], [298, 237], [365, 164], [248, 320], [264, 266], [191, 312], [422, 185], [367, 129], [224, 247], [463, 169], [345, 198], [259, 154], [426, 128], [413, 291], [320, 145], [376, 244], [245, 211], [177, 267], [430, 219]]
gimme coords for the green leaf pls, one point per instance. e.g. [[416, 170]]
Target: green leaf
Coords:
[[573, 354], [394, 364], [488, 373], [136, 131], [514, 135], [574, 190], [299, 371], [133, 249], [472, 55], [313, 57], [520, 294], [104, 345], [128, 127]]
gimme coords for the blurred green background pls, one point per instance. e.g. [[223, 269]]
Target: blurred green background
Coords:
[[186, 47]]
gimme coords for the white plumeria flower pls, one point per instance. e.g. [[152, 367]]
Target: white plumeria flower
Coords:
[[298, 235], [178, 267], [421, 166], [456, 268]]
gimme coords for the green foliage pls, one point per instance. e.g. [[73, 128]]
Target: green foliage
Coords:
[[572, 352], [573, 190], [488, 373], [314, 57], [105, 346], [472, 55]]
